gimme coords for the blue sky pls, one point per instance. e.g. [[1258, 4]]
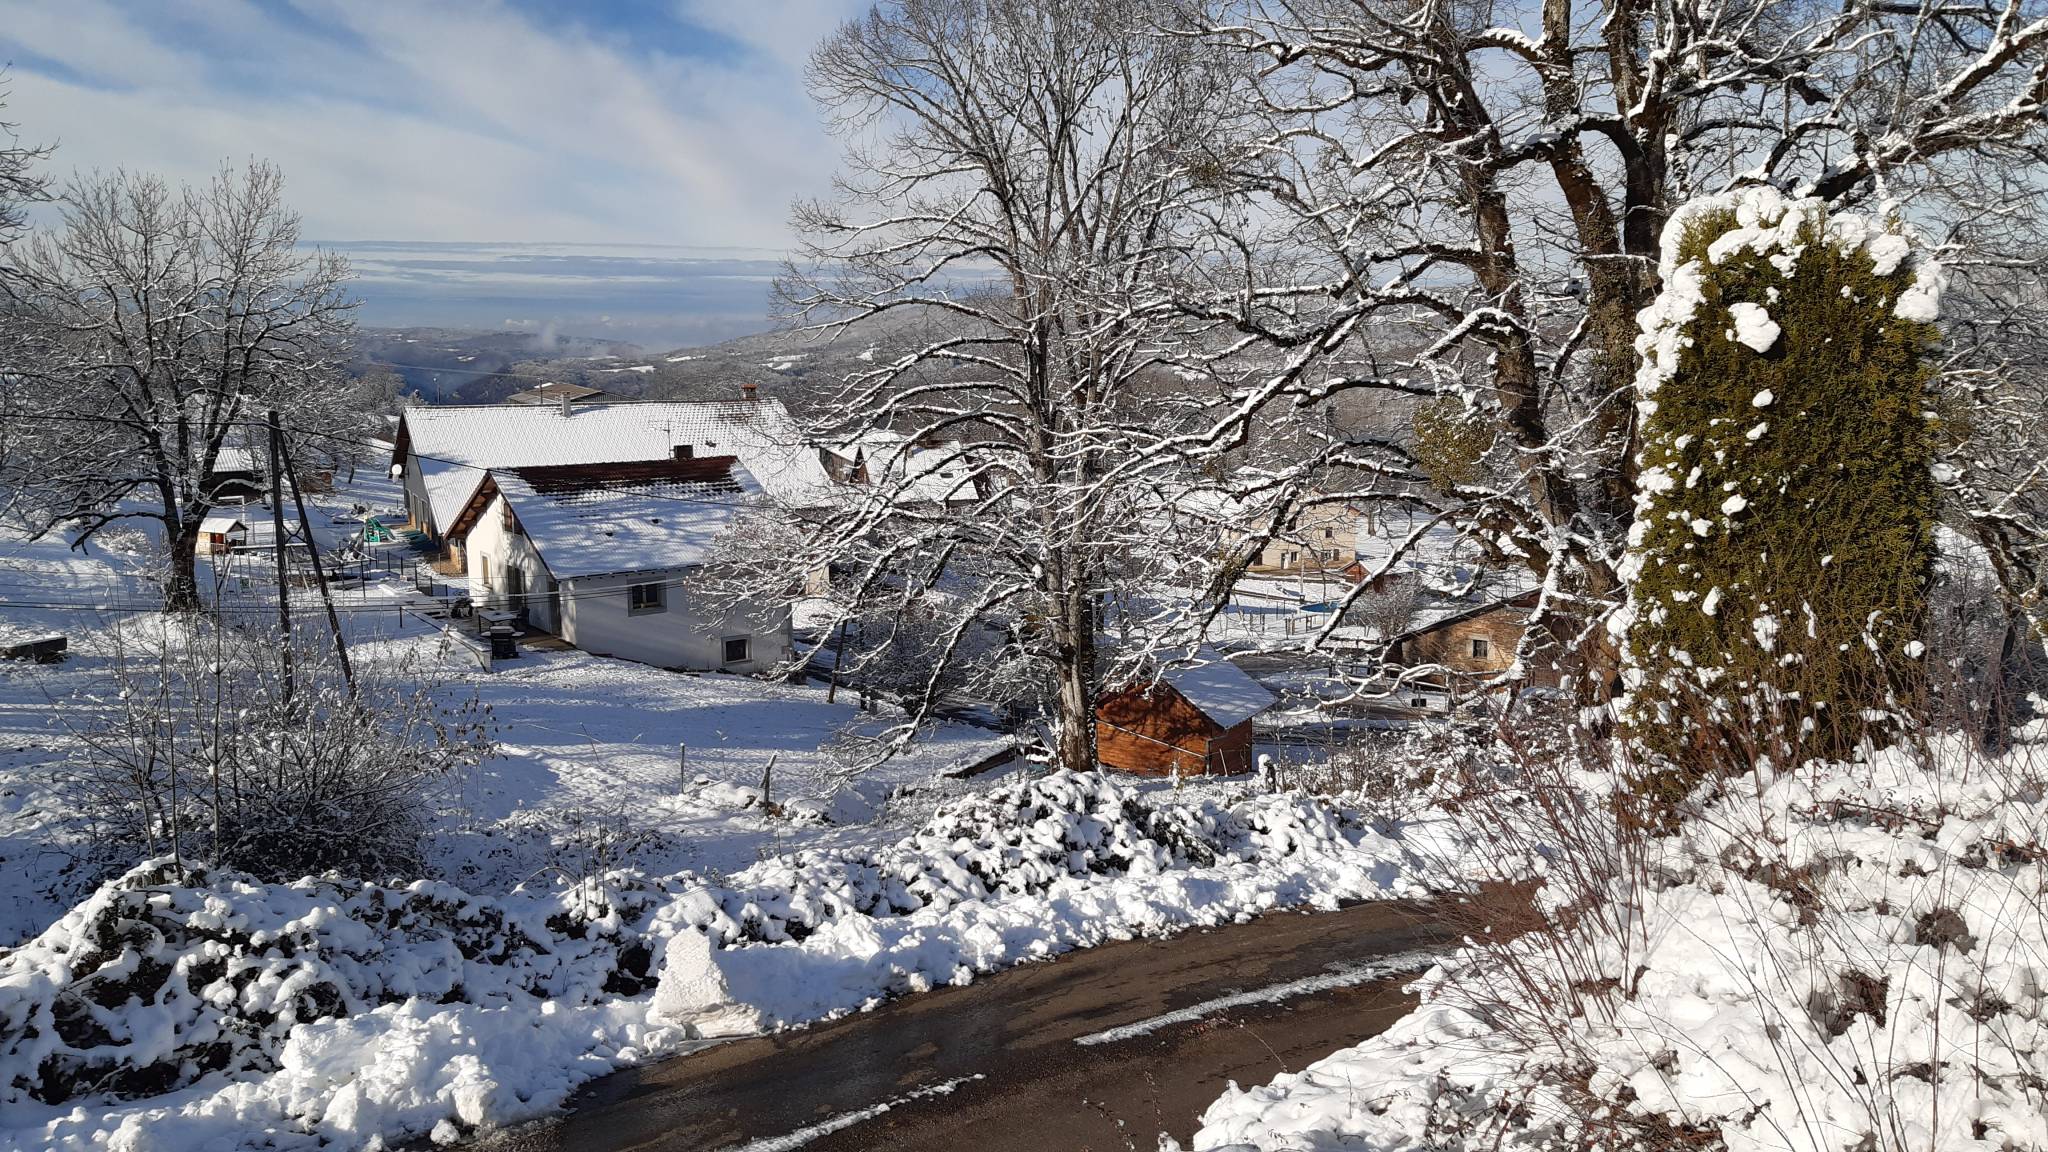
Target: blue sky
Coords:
[[635, 123]]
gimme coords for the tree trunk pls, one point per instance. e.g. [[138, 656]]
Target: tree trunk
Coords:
[[1073, 652], [1076, 732], [181, 570]]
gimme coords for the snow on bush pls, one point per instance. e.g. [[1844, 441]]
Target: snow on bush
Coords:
[[325, 1013], [1850, 957]]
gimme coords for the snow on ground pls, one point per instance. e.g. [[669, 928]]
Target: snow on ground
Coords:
[[1847, 957], [586, 775], [47, 587], [330, 1014]]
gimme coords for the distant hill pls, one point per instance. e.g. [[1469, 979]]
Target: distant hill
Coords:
[[451, 366]]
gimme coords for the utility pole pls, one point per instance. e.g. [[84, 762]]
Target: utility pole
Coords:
[[284, 593], [348, 674]]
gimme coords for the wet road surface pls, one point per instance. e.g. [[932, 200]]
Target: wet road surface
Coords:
[[996, 1065]]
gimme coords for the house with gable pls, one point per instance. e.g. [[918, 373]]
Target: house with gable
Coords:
[[607, 556]]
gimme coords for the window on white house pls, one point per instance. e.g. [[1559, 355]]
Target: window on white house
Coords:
[[1418, 702], [484, 570], [1480, 649], [645, 598], [738, 649]]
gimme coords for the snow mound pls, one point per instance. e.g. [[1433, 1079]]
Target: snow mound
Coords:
[[695, 993], [323, 1013], [1846, 957]]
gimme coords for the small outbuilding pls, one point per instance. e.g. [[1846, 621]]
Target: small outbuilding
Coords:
[[1463, 648], [1195, 718], [222, 533]]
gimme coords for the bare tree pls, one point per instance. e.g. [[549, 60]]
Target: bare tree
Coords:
[[1472, 200], [1029, 176], [148, 332], [20, 183]]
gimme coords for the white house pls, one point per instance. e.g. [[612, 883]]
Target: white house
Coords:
[[443, 453], [608, 557]]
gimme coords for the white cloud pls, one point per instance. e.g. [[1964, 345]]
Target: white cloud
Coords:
[[458, 121]]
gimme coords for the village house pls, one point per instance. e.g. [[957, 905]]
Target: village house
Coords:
[[237, 476], [1316, 536], [221, 533], [1194, 719], [910, 471], [608, 557]]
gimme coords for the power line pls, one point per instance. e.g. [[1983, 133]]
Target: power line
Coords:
[[497, 371]]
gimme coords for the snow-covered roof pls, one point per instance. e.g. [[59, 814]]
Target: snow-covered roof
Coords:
[[768, 442], [449, 486], [939, 475], [218, 524], [593, 520], [235, 460], [1222, 690]]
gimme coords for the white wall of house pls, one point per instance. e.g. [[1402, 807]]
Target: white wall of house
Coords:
[[491, 554], [598, 616]]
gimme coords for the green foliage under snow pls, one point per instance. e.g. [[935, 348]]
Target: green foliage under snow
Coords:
[[1783, 543]]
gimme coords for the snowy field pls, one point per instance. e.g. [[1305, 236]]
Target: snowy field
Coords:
[[586, 774]]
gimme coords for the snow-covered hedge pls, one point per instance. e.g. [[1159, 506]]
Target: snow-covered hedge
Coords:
[[324, 1012], [1848, 957]]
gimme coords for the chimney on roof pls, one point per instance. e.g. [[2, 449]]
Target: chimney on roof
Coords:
[[750, 391], [565, 404], [685, 451]]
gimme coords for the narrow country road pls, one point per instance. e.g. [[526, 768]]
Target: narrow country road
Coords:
[[1069, 1055]]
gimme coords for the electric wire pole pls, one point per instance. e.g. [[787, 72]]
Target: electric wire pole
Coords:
[[348, 674], [284, 592]]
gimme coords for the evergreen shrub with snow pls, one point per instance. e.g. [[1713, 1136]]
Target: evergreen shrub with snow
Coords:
[[1783, 544]]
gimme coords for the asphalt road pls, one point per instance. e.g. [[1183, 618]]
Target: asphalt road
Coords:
[[996, 1065]]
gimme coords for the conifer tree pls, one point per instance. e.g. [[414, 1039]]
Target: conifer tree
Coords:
[[1783, 545]]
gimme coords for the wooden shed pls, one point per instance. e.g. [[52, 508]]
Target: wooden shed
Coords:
[[1196, 718]]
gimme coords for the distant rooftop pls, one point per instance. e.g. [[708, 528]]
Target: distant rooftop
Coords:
[[551, 392]]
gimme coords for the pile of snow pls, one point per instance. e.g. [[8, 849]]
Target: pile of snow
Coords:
[[322, 1013], [1850, 957]]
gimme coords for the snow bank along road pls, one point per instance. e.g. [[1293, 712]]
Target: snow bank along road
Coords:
[[1100, 1046]]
